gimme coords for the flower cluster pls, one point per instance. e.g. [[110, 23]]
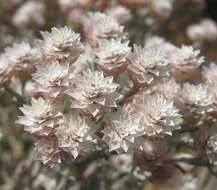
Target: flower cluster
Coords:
[[102, 93]]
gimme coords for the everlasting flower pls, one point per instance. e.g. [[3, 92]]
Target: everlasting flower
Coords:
[[147, 65], [74, 135], [31, 12], [122, 135], [113, 56], [120, 13], [41, 117], [5, 71], [47, 151], [62, 44], [169, 89], [53, 78], [21, 57], [158, 115], [99, 26], [93, 93], [160, 9], [210, 73], [196, 98], [185, 62], [206, 30], [159, 42]]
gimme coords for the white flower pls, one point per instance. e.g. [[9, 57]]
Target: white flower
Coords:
[[187, 58], [162, 44], [122, 134], [113, 55], [41, 117], [21, 56], [74, 135], [121, 13], [210, 73], [161, 9], [100, 26], [5, 71], [158, 115], [62, 44], [47, 151], [169, 89], [205, 30], [196, 95], [31, 12], [93, 93], [147, 64], [52, 77]]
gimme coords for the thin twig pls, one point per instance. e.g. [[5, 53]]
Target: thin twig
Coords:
[[15, 94]]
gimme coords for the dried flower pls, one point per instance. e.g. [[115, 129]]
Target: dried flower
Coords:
[[169, 89], [158, 115], [160, 9], [47, 151], [120, 13], [185, 62], [31, 12], [112, 56], [53, 78], [93, 93], [206, 30], [21, 57], [123, 134], [62, 44], [99, 26], [147, 65], [196, 98], [5, 71], [41, 117], [75, 135], [210, 73], [162, 44]]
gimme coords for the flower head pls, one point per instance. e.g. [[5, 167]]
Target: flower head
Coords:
[[197, 98], [52, 77], [31, 12], [120, 13], [20, 56], [93, 92], [47, 151], [5, 71], [206, 30], [185, 62], [62, 44], [122, 134], [169, 89], [158, 115], [74, 135], [210, 73], [147, 65], [196, 95], [41, 117], [99, 26], [113, 55]]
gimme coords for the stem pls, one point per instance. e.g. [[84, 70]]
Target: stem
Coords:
[[15, 94]]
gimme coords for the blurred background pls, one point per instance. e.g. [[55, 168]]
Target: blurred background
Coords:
[[178, 21]]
